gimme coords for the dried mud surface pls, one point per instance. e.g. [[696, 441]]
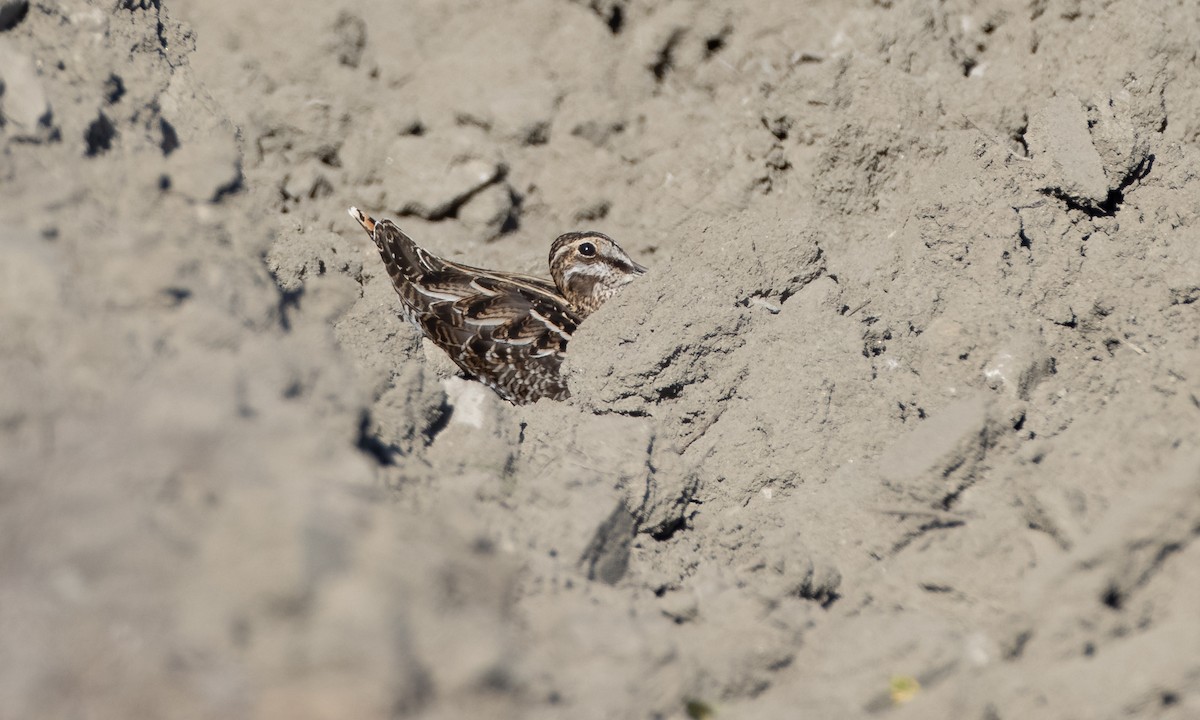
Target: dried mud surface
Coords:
[[905, 420]]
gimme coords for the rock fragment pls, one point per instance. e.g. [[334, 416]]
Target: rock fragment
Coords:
[[1018, 366], [939, 457], [24, 110], [432, 180], [1062, 148]]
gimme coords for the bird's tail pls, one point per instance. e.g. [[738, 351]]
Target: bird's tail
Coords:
[[401, 256]]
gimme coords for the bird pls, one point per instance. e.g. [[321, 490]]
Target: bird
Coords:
[[507, 330]]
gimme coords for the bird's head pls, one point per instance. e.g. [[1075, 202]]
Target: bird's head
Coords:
[[589, 268]]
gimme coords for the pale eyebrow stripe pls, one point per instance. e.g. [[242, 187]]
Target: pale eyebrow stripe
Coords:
[[592, 270], [560, 251]]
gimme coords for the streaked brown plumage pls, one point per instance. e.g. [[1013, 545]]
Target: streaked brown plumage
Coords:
[[507, 330]]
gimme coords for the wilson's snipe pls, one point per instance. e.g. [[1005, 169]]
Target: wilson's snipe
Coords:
[[507, 330]]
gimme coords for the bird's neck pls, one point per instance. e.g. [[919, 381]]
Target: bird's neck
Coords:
[[582, 291]]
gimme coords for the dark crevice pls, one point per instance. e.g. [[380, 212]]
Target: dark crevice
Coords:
[[1185, 295], [1167, 550], [948, 501], [1026, 241], [924, 528], [439, 423], [716, 43], [1069, 324], [1018, 645], [11, 14], [465, 119], [1116, 196], [114, 89], [368, 443], [510, 467], [512, 221], [779, 126], [329, 157], [667, 530], [623, 413], [133, 5], [289, 300], [606, 557], [231, 187], [538, 134], [1018, 137], [170, 139], [616, 19], [875, 343], [823, 595], [666, 56], [99, 136], [670, 392], [351, 32], [177, 295]]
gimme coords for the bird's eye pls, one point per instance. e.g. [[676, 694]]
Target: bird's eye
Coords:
[[587, 250]]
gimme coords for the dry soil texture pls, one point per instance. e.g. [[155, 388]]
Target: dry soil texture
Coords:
[[904, 421]]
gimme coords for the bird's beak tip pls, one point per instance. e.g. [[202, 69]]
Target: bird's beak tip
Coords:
[[363, 219]]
